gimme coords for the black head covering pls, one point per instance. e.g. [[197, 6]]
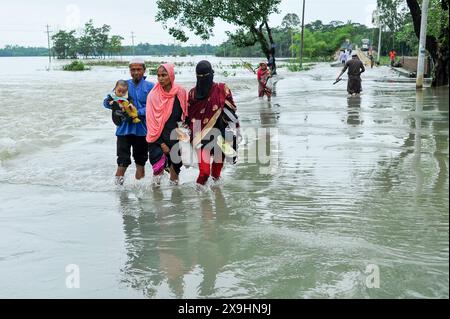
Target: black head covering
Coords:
[[205, 80]]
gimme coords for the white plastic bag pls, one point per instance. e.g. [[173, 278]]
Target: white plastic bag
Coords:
[[188, 154]]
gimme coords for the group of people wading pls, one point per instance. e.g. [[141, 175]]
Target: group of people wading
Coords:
[[172, 128], [154, 119]]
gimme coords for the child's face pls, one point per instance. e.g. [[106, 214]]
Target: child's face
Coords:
[[121, 90]]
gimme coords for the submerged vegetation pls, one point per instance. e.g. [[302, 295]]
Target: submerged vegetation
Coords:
[[76, 65]]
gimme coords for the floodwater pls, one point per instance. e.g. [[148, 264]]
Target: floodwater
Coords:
[[332, 197]]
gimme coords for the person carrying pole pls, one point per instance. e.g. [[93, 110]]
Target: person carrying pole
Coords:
[[355, 68]]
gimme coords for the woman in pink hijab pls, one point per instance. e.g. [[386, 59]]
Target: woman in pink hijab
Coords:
[[263, 77], [166, 106]]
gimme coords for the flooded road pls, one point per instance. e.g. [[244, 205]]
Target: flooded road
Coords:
[[333, 197]]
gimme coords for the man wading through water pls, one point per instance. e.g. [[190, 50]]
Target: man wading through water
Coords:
[[355, 68], [130, 135]]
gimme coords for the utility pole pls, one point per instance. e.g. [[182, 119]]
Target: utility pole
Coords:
[[132, 41], [303, 35], [378, 21], [49, 48], [422, 44]]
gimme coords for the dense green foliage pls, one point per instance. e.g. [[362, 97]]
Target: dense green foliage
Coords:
[[140, 49], [398, 32], [320, 40], [75, 66], [250, 16], [93, 42], [402, 18]]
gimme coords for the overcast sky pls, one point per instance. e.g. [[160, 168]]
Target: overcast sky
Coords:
[[23, 22]]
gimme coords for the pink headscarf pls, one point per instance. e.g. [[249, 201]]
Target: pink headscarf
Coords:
[[160, 105]]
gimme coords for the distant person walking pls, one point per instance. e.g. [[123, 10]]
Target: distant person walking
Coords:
[[264, 75], [355, 68], [271, 61], [392, 56], [343, 57], [272, 65]]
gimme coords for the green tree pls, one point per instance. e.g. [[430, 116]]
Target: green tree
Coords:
[[437, 36], [309, 41], [250, 16], [86, 43], [393, 15], [101, 39], [315, 26], [115, 45], [406, 38], [290, 22], [321, 40], [65, 44]]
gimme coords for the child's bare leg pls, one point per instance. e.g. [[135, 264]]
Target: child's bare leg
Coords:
[[140, 172]]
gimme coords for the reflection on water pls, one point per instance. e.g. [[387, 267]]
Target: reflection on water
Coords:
[[165, 259], [269, 114], [354, 110], [325, 187], [418, 143]]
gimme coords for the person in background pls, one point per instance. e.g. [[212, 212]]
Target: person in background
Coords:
[[392, 56], [343, 57], [263, 76], [271, 60], [355, 68]]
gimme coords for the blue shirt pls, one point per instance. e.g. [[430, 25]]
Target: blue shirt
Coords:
[[138, 94]]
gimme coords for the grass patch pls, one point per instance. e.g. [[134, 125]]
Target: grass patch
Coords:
[[76, 65], [385, 60], [295, 67]]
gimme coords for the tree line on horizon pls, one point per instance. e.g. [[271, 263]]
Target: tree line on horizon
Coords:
[[140, 49], [321, 41], [400, 21]]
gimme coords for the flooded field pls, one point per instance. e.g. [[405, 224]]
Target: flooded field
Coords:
[[333, 197]]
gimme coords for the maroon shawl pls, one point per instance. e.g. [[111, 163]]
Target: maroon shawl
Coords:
[[205, 113]]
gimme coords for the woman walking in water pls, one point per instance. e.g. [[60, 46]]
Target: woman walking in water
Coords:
[[166, 106], [211, 110]]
